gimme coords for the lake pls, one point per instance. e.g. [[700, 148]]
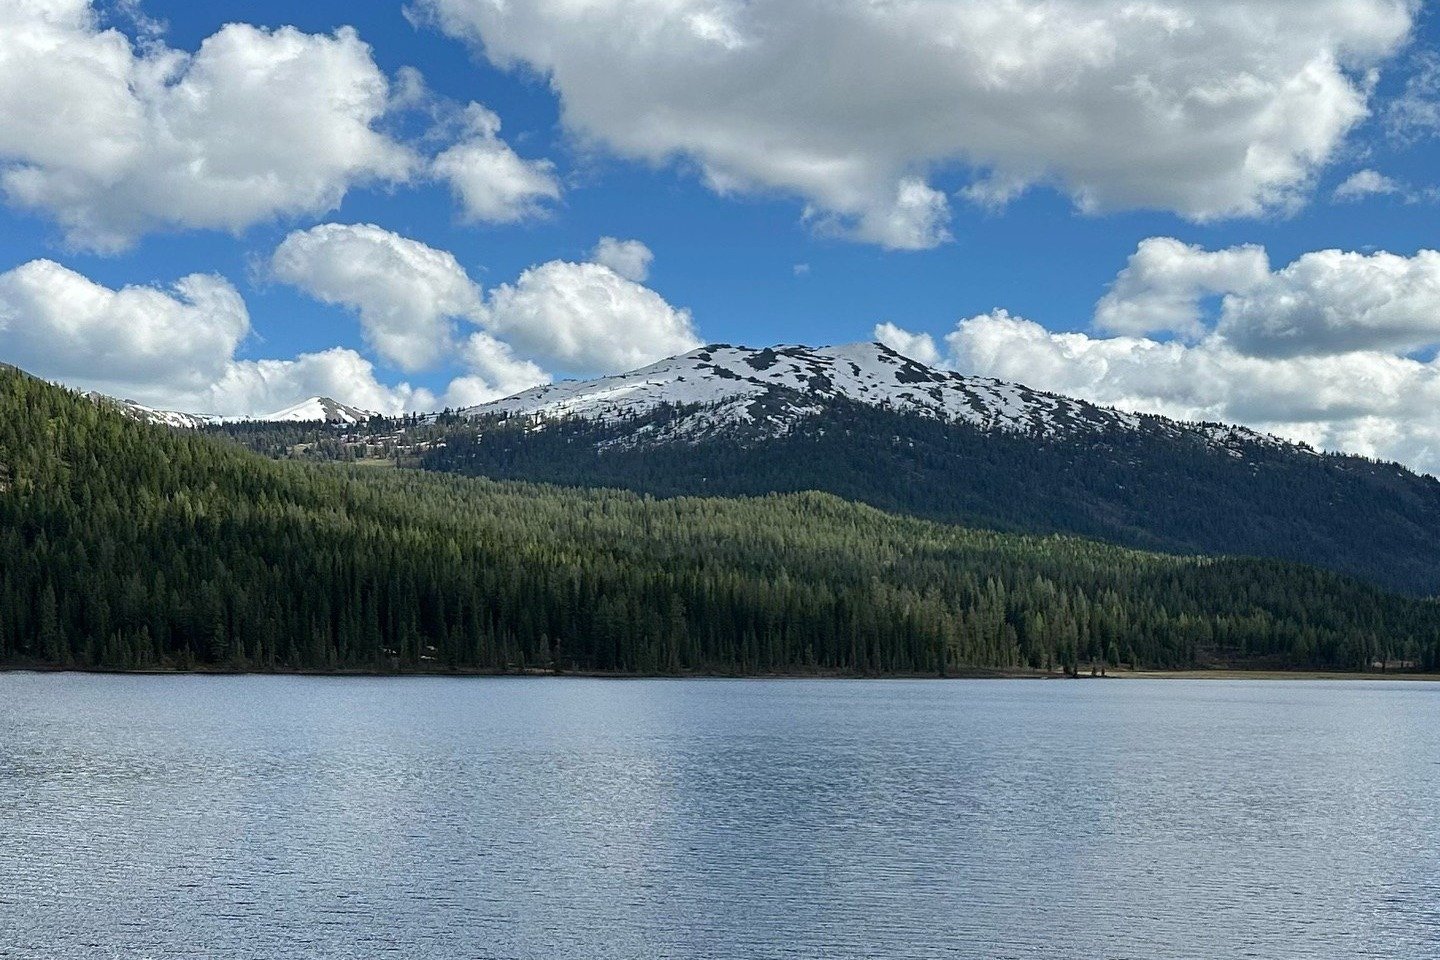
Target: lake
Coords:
[[278, 817]]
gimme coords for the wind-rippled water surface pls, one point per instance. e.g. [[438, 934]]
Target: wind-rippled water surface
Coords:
[[270, 817]]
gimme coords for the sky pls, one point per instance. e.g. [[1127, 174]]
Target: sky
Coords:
[[1210, 209]]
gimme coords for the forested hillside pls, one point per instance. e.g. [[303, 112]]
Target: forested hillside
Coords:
[[128, 545], [1147, 487]]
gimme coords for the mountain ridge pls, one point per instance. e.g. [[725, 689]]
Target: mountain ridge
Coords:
[[732, 381], [729, 385], [311, 410]]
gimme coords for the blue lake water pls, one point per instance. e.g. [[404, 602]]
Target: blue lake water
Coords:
[[273, 817]]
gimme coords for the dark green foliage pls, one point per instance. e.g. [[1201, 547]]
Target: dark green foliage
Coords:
[[1145, 488], [123, 545]]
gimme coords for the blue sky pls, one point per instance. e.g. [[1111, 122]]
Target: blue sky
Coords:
[[759, 253]]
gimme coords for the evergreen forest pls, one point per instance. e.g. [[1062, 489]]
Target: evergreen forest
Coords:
[[130, 546]]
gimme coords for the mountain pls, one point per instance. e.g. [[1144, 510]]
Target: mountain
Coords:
[[313, 410], [127, 545], [319, 409], [773, 391], [868, 424]]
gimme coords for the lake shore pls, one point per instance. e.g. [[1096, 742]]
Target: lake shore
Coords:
[[1201, 673], [1241, 674]]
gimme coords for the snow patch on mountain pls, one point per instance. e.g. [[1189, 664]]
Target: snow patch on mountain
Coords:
[[164, 418], [776, 388], [319, 409], [313, 410], [730, 381]]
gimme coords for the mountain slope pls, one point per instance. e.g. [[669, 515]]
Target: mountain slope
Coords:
[[160, 418], [129, 545], [869, 425]]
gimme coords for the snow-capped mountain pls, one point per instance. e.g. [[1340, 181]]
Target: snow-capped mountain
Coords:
[[865, 423], [730, 381], [313, 410], [164, 418], [775, 388], [319, 409]]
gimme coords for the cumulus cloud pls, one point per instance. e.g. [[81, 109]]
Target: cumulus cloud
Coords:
[[495, 372], [585, 317], [113, 140], [629, 258], [576, 317], [490, 180], [916, 346], [1207, 109], [1327, 301], [1162, 286], [170, 347], [58, 323], [1331, 301], [1368, 402], [1365, 183], [1336, 349], [409, 297], [176, 347], [407, 294], [259, 387], [1372, 183]]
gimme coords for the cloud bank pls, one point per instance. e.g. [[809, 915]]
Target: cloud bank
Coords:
[[1336, 349], [1210, 110], [254, 126], [178, 346]]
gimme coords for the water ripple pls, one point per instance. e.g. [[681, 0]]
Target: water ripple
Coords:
[[237, 818]]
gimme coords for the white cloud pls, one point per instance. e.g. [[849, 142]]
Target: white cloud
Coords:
[[1162, 286], [492, 183], [59, 324], [176, 347], [1212, 109], [1372, 183], [916, 346], [1332, 301], [629, 258], [1367, 402], [407, 294], [1336, 349], [585, 318], [1415, 114], [579, 317], [1366, 183], [259, 387], [495, 372], [1327, 301], [171, 348], [114, 140], [914, 218]]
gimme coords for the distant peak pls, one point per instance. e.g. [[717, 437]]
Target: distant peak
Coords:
[[325, 409]]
